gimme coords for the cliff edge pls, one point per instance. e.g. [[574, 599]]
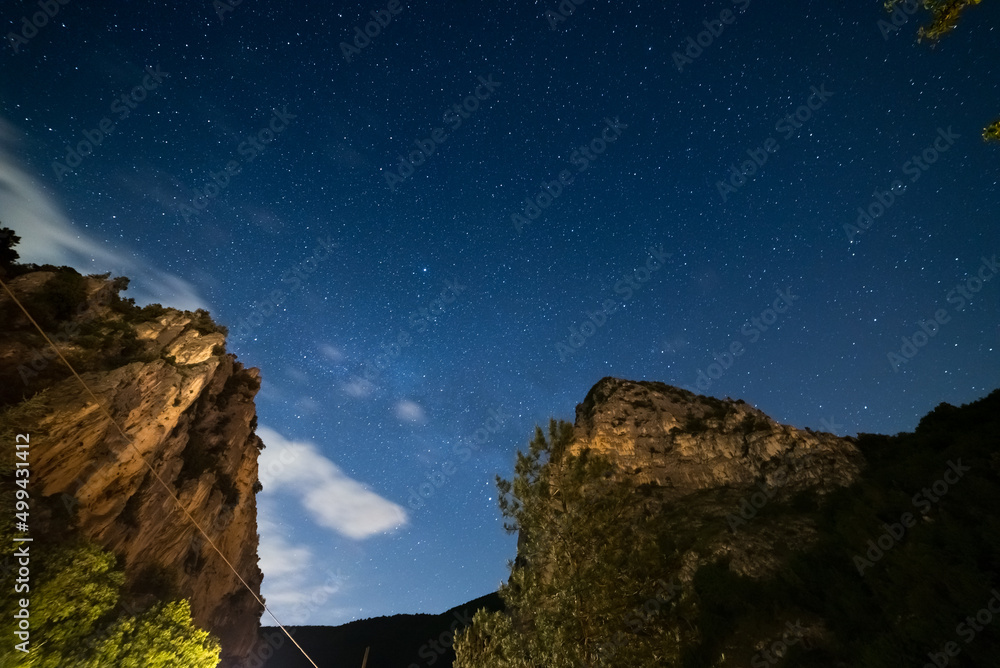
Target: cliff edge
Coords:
[[185, 405]]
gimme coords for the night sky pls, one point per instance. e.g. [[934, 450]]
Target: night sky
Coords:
[[413, 322]]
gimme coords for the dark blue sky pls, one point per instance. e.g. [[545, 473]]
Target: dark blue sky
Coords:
[[634, 265]]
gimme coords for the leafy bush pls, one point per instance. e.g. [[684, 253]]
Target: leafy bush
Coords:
[[202, 323], [75, 625]]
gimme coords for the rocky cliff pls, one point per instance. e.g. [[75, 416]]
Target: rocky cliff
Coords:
[[683, 443], [707, 534], [721, 473], [186, 408]]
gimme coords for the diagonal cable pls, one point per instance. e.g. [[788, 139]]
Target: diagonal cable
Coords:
[[153, 471]]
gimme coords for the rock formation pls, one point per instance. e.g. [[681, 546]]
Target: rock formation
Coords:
[[683, 443], [186, 407], [712, 465]]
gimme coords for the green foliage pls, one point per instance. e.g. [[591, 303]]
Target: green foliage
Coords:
[[162, 637], [588, 552], [78, 588], [944, 15], [992, 131], [944, 18], [114, 340], [239, 383], [202, 322], [74, 624], [751, 423], [587, 562]]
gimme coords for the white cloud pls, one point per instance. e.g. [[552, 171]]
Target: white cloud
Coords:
[[295, 587], [285, 565], [359, 388], [410, 411], [332, 499], [48, 237]]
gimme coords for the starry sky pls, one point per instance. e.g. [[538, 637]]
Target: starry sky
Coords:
[[435, 237]]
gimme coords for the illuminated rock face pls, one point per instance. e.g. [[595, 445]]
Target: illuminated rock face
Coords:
[[187, 407], [684, 443], [711, 465]]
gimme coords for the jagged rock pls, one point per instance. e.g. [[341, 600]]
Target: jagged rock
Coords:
[[187, 408], [684, 442], [710, 466]]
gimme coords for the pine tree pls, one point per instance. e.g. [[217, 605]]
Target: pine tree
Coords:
[[587, 587]]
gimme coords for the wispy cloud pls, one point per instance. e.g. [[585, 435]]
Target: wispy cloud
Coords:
[[332, 353], [296, 586], [410, 411], [48, 236], [330, 497], [286, 566], [359, 388]]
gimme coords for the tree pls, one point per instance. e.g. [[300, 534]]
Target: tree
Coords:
[[73, 623], [586, 576], [78, 588], [8, 256], [163, 637], [944, 19], [992, 133], [944, 16]]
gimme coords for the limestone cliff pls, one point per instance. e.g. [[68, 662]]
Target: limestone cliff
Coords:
[[683, 443], [187, 408], [710, 466]]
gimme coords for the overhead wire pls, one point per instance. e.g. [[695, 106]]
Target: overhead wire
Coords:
[[156, 475]]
